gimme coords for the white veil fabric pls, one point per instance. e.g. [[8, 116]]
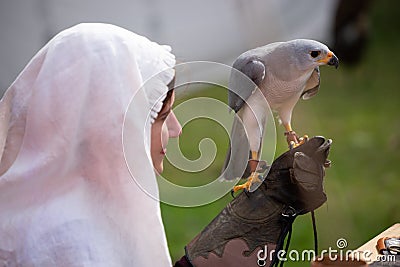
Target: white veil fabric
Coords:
[[67, 197]]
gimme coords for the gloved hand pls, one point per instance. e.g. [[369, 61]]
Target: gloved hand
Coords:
[[253, 224]]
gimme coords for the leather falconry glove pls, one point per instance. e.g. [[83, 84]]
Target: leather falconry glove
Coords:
[[252, 225]]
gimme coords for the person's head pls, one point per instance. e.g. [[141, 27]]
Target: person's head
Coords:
[[165, 126], [107, 79], [75, 134]]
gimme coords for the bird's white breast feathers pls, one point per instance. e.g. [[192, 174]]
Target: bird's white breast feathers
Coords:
[[284, 93]]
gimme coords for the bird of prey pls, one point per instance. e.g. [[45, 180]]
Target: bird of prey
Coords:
[[284, 72]]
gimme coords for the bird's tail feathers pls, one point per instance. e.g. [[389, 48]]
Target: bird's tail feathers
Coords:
[[238, 153]]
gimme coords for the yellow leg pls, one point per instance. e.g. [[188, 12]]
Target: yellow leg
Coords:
[[291, 136], [251, 179], [254, 155], [288, 127], [292, 139]]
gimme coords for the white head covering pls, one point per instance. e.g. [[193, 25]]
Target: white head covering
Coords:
[[66, 195]]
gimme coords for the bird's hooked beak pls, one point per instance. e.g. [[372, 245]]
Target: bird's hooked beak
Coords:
[[330, 60]]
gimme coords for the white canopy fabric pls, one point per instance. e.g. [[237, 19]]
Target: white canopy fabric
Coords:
[[67, 197], [231, 27]]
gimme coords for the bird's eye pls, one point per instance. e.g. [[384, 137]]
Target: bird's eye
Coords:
[[315, 53]]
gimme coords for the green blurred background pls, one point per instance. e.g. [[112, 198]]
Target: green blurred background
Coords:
[[357, 107]]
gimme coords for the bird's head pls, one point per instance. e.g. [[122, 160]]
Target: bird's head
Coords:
[[310, 54]]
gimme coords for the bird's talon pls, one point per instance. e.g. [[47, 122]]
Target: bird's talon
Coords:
[[292, 144], [253, 178], [302, 140]]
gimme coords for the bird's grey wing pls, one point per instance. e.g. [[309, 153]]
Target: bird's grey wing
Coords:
[[240, 88], [238, 153], [246, 71], [312, 85]]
